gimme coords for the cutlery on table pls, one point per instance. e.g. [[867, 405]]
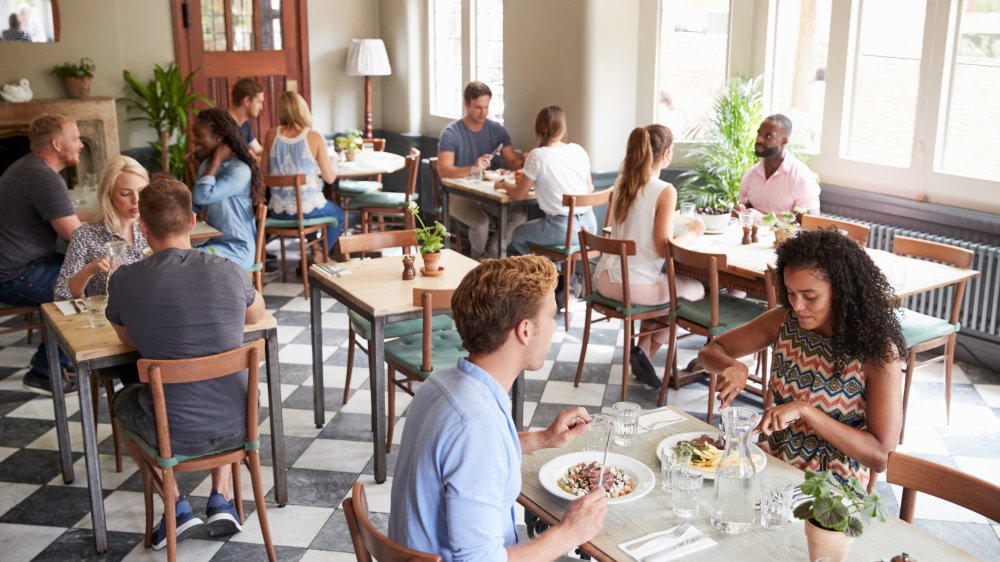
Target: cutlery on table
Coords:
[[677, 532], [604, 461], [656, 556]]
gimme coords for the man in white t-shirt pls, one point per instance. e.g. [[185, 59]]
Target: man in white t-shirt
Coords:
[[779, 182]]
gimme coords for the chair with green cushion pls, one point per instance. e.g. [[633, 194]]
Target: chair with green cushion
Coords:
[[569, 252], [710, 316], [922, 332], [157, 462], [298, 228], [380, 204], [592, 244], [348, 188], [417, 356]]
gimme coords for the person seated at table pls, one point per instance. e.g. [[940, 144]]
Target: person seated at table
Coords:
[[293, 148], [84, 272], [246, 102], [554, 169], [36, 211], [458, 472], [780, 181], [643, 211], [164, 307], [835, 376], [468, 145], [229, 186]]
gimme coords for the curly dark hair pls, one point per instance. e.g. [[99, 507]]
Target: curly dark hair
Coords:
[[223, 125], [864, 323]]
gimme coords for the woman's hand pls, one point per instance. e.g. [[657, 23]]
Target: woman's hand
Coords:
[[781, 417], [222, 153], [696, 226], [101, 264], [731, 382]]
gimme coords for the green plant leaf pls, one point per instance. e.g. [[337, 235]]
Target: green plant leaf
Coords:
[[803, 510], [854, 527], [816, 484], [830, 513]]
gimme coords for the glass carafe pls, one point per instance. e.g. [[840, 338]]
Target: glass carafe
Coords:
[[733, 508]]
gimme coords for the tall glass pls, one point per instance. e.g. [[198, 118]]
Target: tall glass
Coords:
[[733, 508], [775, 502], [601, 425], [116, 253], [689, 210], [687, 489], [626, 422], [670, 462]]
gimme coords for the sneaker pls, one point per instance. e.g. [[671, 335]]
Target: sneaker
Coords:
[[643, 369], [39, 383], [187, 523], [222, 516]]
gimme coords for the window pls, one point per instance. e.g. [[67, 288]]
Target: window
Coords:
[[244, 37], [451, 35], [446, 58], [489, 51]]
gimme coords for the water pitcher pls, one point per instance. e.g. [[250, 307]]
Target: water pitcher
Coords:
[[733, 508]]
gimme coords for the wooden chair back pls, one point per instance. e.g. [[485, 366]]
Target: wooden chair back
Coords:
[[702, 265], [296, 181], [941, 253], [919, 475], [375, 241], [369, 543], [430, 300], [258, 255], [857, 232], [377, 143], [591, 241], [412, 171], [595, 199]]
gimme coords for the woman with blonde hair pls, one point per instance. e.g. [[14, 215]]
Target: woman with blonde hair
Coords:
[[85, 270], [643, 211], [294, 148]]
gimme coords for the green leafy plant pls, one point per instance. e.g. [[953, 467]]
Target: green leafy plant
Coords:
[[83, 69], [430, 238], [846, 509], [351, 142], [785, 221], [165, 103]]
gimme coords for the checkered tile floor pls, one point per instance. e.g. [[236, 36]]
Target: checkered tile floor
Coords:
[[42, 519]]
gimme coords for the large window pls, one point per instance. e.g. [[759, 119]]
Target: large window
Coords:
[[489, 51], [446, 57], [458, 27]]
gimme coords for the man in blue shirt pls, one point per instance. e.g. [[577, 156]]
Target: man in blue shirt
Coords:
[[246, 103], [459, 468], [466, 146]]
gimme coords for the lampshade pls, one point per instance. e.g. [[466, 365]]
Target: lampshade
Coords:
[[367, 57]]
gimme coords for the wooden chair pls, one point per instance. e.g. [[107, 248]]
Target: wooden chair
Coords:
[[379, 204], [919, 475], [418, 355], [922, 332], [369, 543], [455, 225], [569, 252], [257, 269], [711, 316], [26, 312], [347, 188], [857, 232], [591, 243], [158, 463], [298, 228]]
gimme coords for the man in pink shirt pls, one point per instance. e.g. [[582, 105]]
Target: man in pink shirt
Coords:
[[779, 182]]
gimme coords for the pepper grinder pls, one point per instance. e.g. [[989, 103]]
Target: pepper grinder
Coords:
[[746, 221], [409, 272], [753, 234]]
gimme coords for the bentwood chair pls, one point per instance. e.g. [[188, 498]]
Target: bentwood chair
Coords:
[[857, 232], [569, 252], [369, 543], [299, 227], [710, 316], [591, 243], [257, 269], [417, 356], [380, 204], [922, 332], [158, 463], [347, 188], [27, 313], [952, 485]]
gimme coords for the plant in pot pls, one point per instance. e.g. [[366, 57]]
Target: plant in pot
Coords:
[[836, 515], [430, 240], [76, 77], [784, 225], [165, 103], [350, 144]]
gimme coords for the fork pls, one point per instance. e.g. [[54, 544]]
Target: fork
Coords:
[[672, 534]]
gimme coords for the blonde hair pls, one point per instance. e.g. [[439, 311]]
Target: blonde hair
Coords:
[[293, 111], [644, 145], [106, 213], [44, 128]]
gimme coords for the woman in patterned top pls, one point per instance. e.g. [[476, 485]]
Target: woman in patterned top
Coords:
[[84, 271], [835, 377]]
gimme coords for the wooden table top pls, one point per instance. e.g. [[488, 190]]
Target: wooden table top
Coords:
[[84, 343], [653, 513], [481, 189], [371, 164]]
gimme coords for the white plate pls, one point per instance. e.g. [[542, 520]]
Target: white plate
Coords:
[[640, 474], [759, 458]]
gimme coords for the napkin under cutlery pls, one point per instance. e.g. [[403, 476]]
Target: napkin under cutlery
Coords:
[[668, 547], [655, 419]]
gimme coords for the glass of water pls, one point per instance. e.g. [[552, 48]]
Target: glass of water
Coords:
[[367, 149], [601, 426], [96, 305], [775, 502], [689, 210], [626, 422], [670, 461], [687, 489]]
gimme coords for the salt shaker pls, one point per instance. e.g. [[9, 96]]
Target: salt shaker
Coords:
[[409, 272]]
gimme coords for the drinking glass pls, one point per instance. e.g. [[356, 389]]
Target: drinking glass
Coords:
[[367, 149], [476, 173], [670, 462], [746, 219], [689, 210], [600, 426], [96, 305], [775, 502], [687, 488], [626, 422]]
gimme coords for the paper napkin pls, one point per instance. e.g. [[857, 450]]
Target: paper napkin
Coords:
[[653, 551], [659, 418]]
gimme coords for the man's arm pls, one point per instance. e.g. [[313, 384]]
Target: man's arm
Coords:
[[256, 310], [511, 158], [583, 520], [447, 168], [256, 149], [122, 334], [64, 226]]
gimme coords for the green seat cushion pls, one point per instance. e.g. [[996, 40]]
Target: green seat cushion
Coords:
[[174, 460], [397, 329], [407, 351], [620, 307], [918, 328], [292, 223], [355, 187], [255, 268], [558, 248], [733, 312], [380, 199]]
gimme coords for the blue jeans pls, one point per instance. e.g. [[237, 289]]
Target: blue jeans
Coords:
[[33, 287], [329, 210], [551, 231]]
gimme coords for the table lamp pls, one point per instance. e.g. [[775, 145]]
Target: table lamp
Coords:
[[367, 57]]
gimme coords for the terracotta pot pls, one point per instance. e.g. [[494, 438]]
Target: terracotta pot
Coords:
[[827, 544], [782, 235], [350, 155], [78, 87], [431, 261]]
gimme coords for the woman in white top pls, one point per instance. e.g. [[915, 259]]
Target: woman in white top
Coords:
[[643, 210], [554, 168]]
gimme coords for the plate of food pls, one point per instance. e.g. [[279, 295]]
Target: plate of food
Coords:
[[501, 174], [576, 474], [707, 449]]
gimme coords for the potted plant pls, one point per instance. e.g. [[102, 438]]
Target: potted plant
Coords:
[[835, 515], [349, 144], [76, 77], [430, 240], [784, 225], [165, 102]]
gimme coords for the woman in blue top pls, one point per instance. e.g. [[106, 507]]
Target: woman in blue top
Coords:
[[229, 186]]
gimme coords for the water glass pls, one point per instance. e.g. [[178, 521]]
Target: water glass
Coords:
[[626, 422], [670, 461], [367, 149], [600, 427], [96, 305], [476, 173], [687, 489], [689, 210], [775, 502]]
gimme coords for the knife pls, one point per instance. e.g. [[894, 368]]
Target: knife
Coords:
[[657, 556]]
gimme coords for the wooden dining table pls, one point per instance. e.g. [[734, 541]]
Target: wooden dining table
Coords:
[[484, 192], [201, 232], [652, 513], [374, 289], [90, 348], [369, 164]]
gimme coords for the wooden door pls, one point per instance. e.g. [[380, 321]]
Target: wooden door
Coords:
[[233, 39]]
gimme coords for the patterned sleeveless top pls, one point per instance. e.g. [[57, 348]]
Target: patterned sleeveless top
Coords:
[[289, 156], [804, 369]]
